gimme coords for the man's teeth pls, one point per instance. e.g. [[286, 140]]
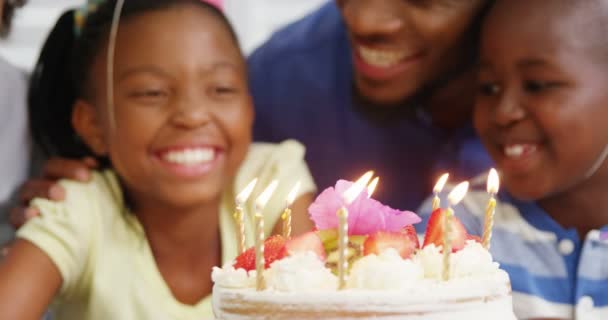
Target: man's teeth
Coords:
[[518, 150], [381, 58], [190, 156]]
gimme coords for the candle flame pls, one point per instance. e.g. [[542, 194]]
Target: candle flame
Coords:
[[262, 200], [441, 183], [458, 193], [291, 197], [372, 186], [353, 192], [493, 182], [244, 195]]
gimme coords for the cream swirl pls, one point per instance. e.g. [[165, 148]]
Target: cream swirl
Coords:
[[228, 277], [472, 260], [300, 273], [387, 271]]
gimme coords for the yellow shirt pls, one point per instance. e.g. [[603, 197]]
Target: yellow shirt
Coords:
[[105, 261]]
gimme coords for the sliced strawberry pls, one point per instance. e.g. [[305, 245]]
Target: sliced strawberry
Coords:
[[380, 241], [434, 231], [245, 260], [309, 241], [410, 231], [474, 238], [274, 249]]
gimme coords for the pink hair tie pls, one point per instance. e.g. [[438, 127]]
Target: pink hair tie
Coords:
[[217, 3]]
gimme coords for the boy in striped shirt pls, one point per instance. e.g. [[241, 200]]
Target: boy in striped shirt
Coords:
[[541, 111]]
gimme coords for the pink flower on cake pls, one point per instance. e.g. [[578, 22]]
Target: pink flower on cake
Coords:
[[365, 215]]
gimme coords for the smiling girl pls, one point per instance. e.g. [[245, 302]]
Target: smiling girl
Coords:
[[139, 240]]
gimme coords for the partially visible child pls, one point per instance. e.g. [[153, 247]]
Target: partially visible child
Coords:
[[14, 138], [541, 113], [139, 240]]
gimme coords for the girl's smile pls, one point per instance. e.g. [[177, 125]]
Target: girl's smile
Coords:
[[189, 161], [183, 116]]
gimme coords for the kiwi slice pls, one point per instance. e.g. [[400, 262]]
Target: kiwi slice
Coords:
[[354, 252]]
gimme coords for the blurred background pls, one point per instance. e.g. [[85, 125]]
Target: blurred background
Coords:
[[254, 21]]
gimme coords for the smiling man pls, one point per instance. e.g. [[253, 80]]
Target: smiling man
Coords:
[[375, 84]]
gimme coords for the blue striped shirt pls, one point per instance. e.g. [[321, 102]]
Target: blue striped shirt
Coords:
[[553, 273]]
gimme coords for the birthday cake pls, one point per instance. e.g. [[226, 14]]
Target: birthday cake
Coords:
[[385, 273]]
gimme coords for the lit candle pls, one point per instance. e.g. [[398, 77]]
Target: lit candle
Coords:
[[349, 196], [453, 199], [286, 216], [239, 217], [342, 247], [371, 188], [492, 187], [437, 190], [259, 233]]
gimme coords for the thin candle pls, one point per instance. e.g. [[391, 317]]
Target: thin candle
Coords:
[[349, 196], [492, 188], [437, 190], [453, 199], [371, 188], [342, 247], [259, 251], [259, 233], [239, 216], [286, 216]]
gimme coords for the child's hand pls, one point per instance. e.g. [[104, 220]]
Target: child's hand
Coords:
[[47, 187]]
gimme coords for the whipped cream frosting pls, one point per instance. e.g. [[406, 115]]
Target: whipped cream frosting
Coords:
[[472, 261], [228, 277], [387, 271], [301, 272]]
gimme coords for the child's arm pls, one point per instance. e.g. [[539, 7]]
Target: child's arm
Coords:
[[28, 282], [300, 220]]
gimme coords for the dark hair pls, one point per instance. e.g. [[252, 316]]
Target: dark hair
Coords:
[[8, 11], [62, 73]]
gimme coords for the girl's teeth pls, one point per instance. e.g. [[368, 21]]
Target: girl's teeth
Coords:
[[381, 58], [190, 156], [518, 150]]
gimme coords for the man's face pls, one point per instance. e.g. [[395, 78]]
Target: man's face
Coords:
[[403, 46]]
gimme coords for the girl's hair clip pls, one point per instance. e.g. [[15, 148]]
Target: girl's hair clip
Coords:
[[81, 14]]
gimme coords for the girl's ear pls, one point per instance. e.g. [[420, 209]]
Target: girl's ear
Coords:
[[87, 123]]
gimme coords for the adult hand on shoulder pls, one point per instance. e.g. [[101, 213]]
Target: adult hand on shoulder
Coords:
[[46, 186], [4, 251]]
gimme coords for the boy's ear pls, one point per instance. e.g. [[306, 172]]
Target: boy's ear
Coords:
[[87, 123]]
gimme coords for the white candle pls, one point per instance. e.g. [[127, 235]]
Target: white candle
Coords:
[[492, 188], [342, 247], [239, 216], [259, 233], [453, 199], [437, 190], [349, 196], [286, 216]]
